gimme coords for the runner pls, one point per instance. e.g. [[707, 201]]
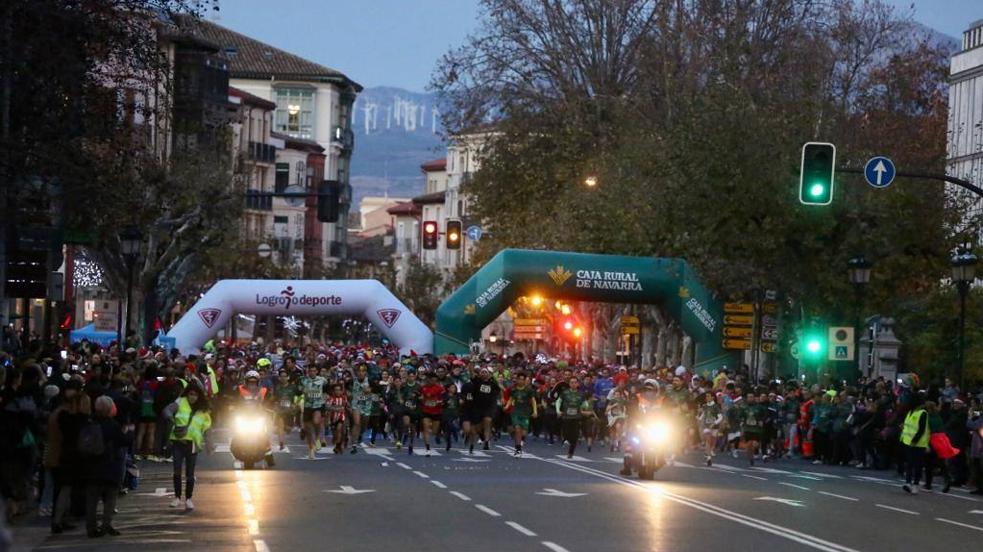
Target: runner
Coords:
[[522, 403], [286, 395], [486, 393], [337, 406], [432, 395], [452, 413], [361, 401], [409, 398], [617, 411], [313, 387], [710, 418], [571, 407]]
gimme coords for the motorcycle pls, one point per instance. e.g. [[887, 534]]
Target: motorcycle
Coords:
[[649, 447], [251, 439]]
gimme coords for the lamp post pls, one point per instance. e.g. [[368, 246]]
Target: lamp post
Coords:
[[129, 244], [858, 269], [963, 274]]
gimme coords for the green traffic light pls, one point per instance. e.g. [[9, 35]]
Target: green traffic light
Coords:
[[817, 190], [814, 346]]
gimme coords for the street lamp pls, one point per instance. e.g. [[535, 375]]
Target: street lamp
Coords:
[[130, 241], [590, 181], [858, 269], [963, 274]]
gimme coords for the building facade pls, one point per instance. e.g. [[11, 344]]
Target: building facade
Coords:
[[965, 133], [312, 102]]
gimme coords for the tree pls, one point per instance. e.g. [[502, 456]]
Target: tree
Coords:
[[422, 291]]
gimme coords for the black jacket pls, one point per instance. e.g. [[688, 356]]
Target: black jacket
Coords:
[[107, 468]]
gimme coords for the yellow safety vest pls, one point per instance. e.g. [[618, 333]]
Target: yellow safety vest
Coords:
[[910, 428], [198, 423]]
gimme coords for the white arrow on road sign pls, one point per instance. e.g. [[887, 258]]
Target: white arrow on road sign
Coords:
[[879, 172], [560, 494], [348, 490], [786, 501]]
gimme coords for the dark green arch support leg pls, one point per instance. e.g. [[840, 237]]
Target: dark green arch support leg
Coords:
[[513, 273]]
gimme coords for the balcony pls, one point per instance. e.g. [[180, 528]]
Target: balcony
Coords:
[[258, 202], [262, 153]]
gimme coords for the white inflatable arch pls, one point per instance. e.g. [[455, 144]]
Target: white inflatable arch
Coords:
[[369, 298]]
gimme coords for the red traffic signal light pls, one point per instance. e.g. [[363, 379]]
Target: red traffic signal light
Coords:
[[430, 234]]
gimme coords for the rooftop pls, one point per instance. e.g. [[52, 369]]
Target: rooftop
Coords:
[[251, 59], [435, 165], [408, 208], [429, 199], [251, 99]]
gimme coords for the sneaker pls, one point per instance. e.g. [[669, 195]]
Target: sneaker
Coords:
[[816, 462], [487, 447], [709, 461], [354, 449], [188, 505], [409, 450], [111, 531], [399, 445], [177, 503]]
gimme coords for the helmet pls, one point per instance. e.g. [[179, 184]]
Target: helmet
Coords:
[[263, 363], [252, 374], [650, 384]]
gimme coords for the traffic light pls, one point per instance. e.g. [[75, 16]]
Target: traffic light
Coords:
[[814, 344], [430, 234], [453, 234], [816, 174], [328, 196]]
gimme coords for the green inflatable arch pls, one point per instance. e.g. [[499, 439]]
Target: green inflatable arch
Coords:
[[513, 273]]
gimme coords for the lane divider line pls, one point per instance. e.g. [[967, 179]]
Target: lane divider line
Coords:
[[487, 510], [462, 496], [438, 484], [520, 529], [778, 530], [261, 546], [960, 524], [794, 486], [253, 527], [554, 547], [754, 477], [892, 508], [421, 474], [404, 466], [834, 495]]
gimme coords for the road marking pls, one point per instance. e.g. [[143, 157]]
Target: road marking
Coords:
[[976, 511], [309, 458], [250, 510], [238, 474], [554, 547], [404, 466], [809, 477], [385, 464], [253, 526], [462, 496], [471, 460], [574, 458], [966, 525], [349, 490], [237, 465], [754, 477], [261, 546], [438, 484], [431, 452], [615, 460], [421, 474], [834, 495], [560, 494], [524, 455], [222, 448], [728, 467], [723, 513], [678, 464], [487, 510], [785, 501], [160, 491], [246, 496], [794, 486], [902, 510], [770, 470], [477, 453], [819, 474], [520, 529]]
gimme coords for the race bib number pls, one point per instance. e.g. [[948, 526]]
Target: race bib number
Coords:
[[285, 403], [485, 388], [572, 411]]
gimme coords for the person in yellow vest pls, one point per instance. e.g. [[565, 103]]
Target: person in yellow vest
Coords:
[[191, 419], [914, 440], [209, 377]]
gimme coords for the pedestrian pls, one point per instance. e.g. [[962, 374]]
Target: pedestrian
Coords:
[[915, 442], [975, 426], [64, 426], [190, 419], [102, 471]]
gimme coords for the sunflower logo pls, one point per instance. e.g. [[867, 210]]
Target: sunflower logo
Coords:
[[683, 292]]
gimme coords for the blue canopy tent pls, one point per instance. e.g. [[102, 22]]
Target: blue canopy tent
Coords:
[[102, 338]]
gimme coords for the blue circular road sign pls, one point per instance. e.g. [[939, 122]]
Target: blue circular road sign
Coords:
[[879, 172], [474, 233]]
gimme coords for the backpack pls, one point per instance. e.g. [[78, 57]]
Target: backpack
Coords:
[[90, 442], [147, 401]]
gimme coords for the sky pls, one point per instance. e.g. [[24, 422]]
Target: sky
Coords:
[[398, 42]]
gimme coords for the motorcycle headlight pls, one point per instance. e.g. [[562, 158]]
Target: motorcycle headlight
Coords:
[[658, 432], [250, 424]]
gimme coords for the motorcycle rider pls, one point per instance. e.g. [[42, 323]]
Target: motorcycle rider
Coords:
[[646, 401], [253, 396]]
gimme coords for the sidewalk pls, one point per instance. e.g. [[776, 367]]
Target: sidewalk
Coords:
[[33, 530]]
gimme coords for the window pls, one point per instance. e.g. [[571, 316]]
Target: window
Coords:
[[295, 112], [281, 219], [282, 177]]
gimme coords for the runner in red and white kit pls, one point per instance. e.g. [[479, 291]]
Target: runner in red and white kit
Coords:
[[433, 408], [337, 407]]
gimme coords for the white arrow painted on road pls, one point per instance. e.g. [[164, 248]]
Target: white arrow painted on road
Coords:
[[786, 501], [560, 494], [348, 490], [880, 169]]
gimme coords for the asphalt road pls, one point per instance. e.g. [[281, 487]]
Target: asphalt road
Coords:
[[382, 499]]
